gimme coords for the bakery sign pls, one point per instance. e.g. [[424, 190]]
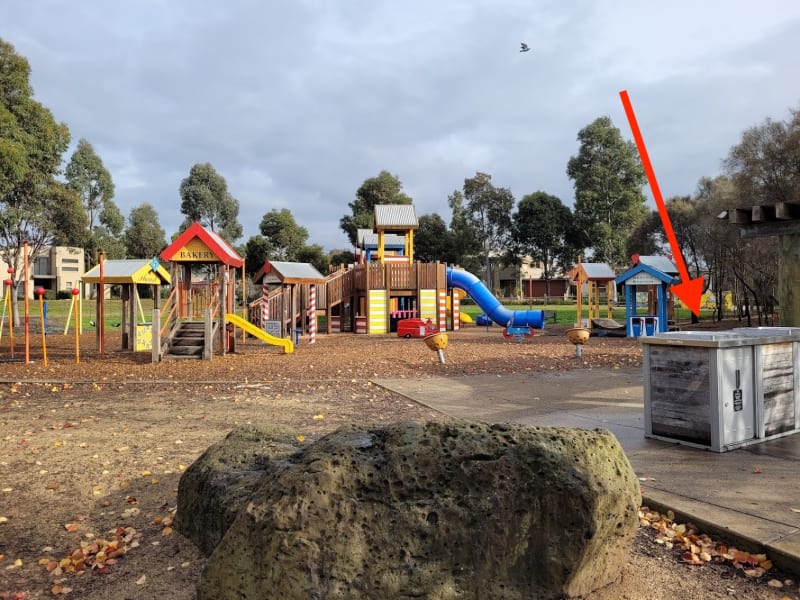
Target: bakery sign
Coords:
[[195, 251]]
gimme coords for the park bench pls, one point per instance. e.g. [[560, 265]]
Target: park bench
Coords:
[[550, 314]]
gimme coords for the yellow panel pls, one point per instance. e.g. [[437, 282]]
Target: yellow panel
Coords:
[[196, 251], [428, 305], [377, 311], [144, 336]]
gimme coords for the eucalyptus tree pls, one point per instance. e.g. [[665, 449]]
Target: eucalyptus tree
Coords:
[[32, 144], [384, 188], [608, 178], [544, 229], [88, 177], [205, 199], [144, 237], [488, 208]]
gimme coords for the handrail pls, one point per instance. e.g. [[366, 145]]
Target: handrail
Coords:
[[168, 315]]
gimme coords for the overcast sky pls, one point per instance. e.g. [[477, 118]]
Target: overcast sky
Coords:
[[297, 102]]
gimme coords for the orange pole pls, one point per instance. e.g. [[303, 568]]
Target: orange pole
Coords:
[[75, 292], [40, 293], [26, 304]]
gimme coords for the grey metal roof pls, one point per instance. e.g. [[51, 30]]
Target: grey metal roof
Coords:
[[598, 271], [294, 271], [390, 240], [361, 234], [659, 263], [395, 216]]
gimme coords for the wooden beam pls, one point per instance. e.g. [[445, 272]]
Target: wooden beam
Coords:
[[739, 216], [762, 213], [769, 229], [787, 210]]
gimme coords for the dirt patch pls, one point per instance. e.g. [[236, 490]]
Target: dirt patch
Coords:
[[95, 450]]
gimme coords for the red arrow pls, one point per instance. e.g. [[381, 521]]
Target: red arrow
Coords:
[[690, 291]]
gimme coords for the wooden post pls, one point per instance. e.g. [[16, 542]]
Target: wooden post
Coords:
[[156, 324], [126, 303], [223, 305]]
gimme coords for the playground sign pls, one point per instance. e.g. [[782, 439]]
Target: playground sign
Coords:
[[195, 250], [273, 328], [643, 279]]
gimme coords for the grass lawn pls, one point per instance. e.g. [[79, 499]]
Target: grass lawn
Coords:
[[567, 314], [58, 311]]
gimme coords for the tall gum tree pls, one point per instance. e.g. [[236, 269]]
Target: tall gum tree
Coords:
[[384, 188], [205, 199], [144, 237], [87, 176], [32, 144], [543, 228], [489, 210], [608, 178]]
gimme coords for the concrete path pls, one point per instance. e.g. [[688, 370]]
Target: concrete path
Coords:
[[750, 497]]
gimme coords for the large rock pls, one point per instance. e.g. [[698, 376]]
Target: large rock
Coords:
[[217, 486], [436, 510]]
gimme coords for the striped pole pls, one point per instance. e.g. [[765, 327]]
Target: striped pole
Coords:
[[312, 314], [456, 311], [442, 310], [264, 305]]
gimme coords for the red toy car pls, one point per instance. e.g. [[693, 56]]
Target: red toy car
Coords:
[[408, 328]]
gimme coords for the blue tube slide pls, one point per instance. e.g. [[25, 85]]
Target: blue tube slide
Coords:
[[490, 305]]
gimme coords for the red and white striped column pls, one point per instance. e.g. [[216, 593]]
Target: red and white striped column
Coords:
[[456, 305], [312, 314], [264, 306], [442, 310]]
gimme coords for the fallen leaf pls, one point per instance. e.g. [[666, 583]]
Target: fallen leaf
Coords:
[[141, 580], [300, 438], [756, 470]]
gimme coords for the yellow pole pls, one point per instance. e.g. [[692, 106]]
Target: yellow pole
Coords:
[[75, 292], [40, 293]]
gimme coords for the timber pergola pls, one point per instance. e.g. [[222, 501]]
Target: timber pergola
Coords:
[[290, 276], [781, 220], [129, 274]]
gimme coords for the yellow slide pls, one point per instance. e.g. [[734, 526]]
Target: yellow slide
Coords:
[[288, 346]]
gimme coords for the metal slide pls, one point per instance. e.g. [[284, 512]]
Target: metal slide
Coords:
[[285, 343], [490, 305]]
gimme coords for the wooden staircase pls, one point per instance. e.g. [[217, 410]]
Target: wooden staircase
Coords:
[[188, 340]]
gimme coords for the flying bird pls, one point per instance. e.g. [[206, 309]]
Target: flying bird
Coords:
[[524, 47]]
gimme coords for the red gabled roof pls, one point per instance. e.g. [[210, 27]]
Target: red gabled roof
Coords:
[[215, 242]]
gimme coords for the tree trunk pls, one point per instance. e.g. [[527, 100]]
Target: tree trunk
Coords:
[[788, 276]]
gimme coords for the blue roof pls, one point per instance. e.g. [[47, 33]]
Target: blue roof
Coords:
[[648, 270]]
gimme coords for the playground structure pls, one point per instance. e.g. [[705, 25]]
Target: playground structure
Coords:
[[594, 277], [386, 286], [137, 333], [656, 274], [288, 302], [198, 318]]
